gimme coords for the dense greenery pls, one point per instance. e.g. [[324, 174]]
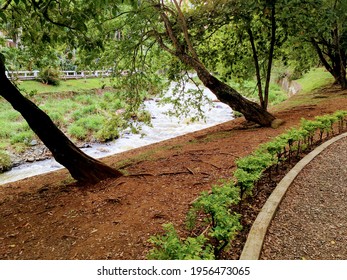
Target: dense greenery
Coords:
[[80, 108], [240, 40]]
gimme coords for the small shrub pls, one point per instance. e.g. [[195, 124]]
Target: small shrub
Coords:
[[245, 180], [171, 247], [50, 76], [111, 129], [216, 207], [5, 162], [341, 115]]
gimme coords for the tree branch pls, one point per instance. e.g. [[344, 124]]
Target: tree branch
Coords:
[[169, 29], [184, 28], [321, 56]]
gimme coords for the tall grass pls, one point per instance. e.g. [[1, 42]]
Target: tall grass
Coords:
[[81, 116]]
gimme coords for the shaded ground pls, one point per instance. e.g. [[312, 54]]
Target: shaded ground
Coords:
[[50, 217]]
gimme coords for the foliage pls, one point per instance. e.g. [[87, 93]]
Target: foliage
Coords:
[[224, 225], [111, 129], [50, 76], [322, 23], [249, 170], [171, 247], [5, 162], [221, 223]]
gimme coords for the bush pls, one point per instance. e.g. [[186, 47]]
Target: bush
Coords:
[[5, 162], [111, 129], [50, 76], [171, 247], [215, 206]]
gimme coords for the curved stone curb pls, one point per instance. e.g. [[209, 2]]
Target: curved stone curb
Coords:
[[255, 239]]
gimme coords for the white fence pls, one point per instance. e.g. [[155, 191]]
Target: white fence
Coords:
[[33, 75]]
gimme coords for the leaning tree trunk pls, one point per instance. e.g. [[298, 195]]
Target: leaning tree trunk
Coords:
[[188, 56], [226, 94], [82, 167]]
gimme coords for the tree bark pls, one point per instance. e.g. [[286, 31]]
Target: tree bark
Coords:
[[337, 67], [257, 68], [226, 94], [82, 167], [271, 54]]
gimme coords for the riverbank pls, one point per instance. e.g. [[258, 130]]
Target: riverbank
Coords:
[[52, 217]]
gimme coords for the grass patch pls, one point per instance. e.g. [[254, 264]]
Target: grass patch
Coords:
[[77, 131], [310, 82], [80, 115], [316, 78], [64, 86]]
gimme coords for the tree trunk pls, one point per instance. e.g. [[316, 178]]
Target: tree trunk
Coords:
[[226, 94], [188, 56], [271, 54], [257, 68], [342, 80], [337, 67], [82, 167]]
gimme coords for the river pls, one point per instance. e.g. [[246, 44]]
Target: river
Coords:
[[163, 127]]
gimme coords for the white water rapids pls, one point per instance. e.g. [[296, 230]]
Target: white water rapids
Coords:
[[164, 127]]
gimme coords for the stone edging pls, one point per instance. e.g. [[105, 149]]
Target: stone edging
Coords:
[[255, 239]]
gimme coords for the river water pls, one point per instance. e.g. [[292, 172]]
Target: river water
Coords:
[[163, 127]]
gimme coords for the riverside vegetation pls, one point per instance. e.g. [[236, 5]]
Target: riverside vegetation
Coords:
[[87, 110], [90, 110]]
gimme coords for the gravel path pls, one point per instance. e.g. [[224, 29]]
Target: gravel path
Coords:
[[311, 222]]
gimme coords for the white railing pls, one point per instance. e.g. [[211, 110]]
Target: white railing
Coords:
[[22, 75], [33, 75]]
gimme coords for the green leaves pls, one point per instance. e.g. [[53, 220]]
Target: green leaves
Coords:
[[222, 226], [3, 16], [250, 168], [171, 247]]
